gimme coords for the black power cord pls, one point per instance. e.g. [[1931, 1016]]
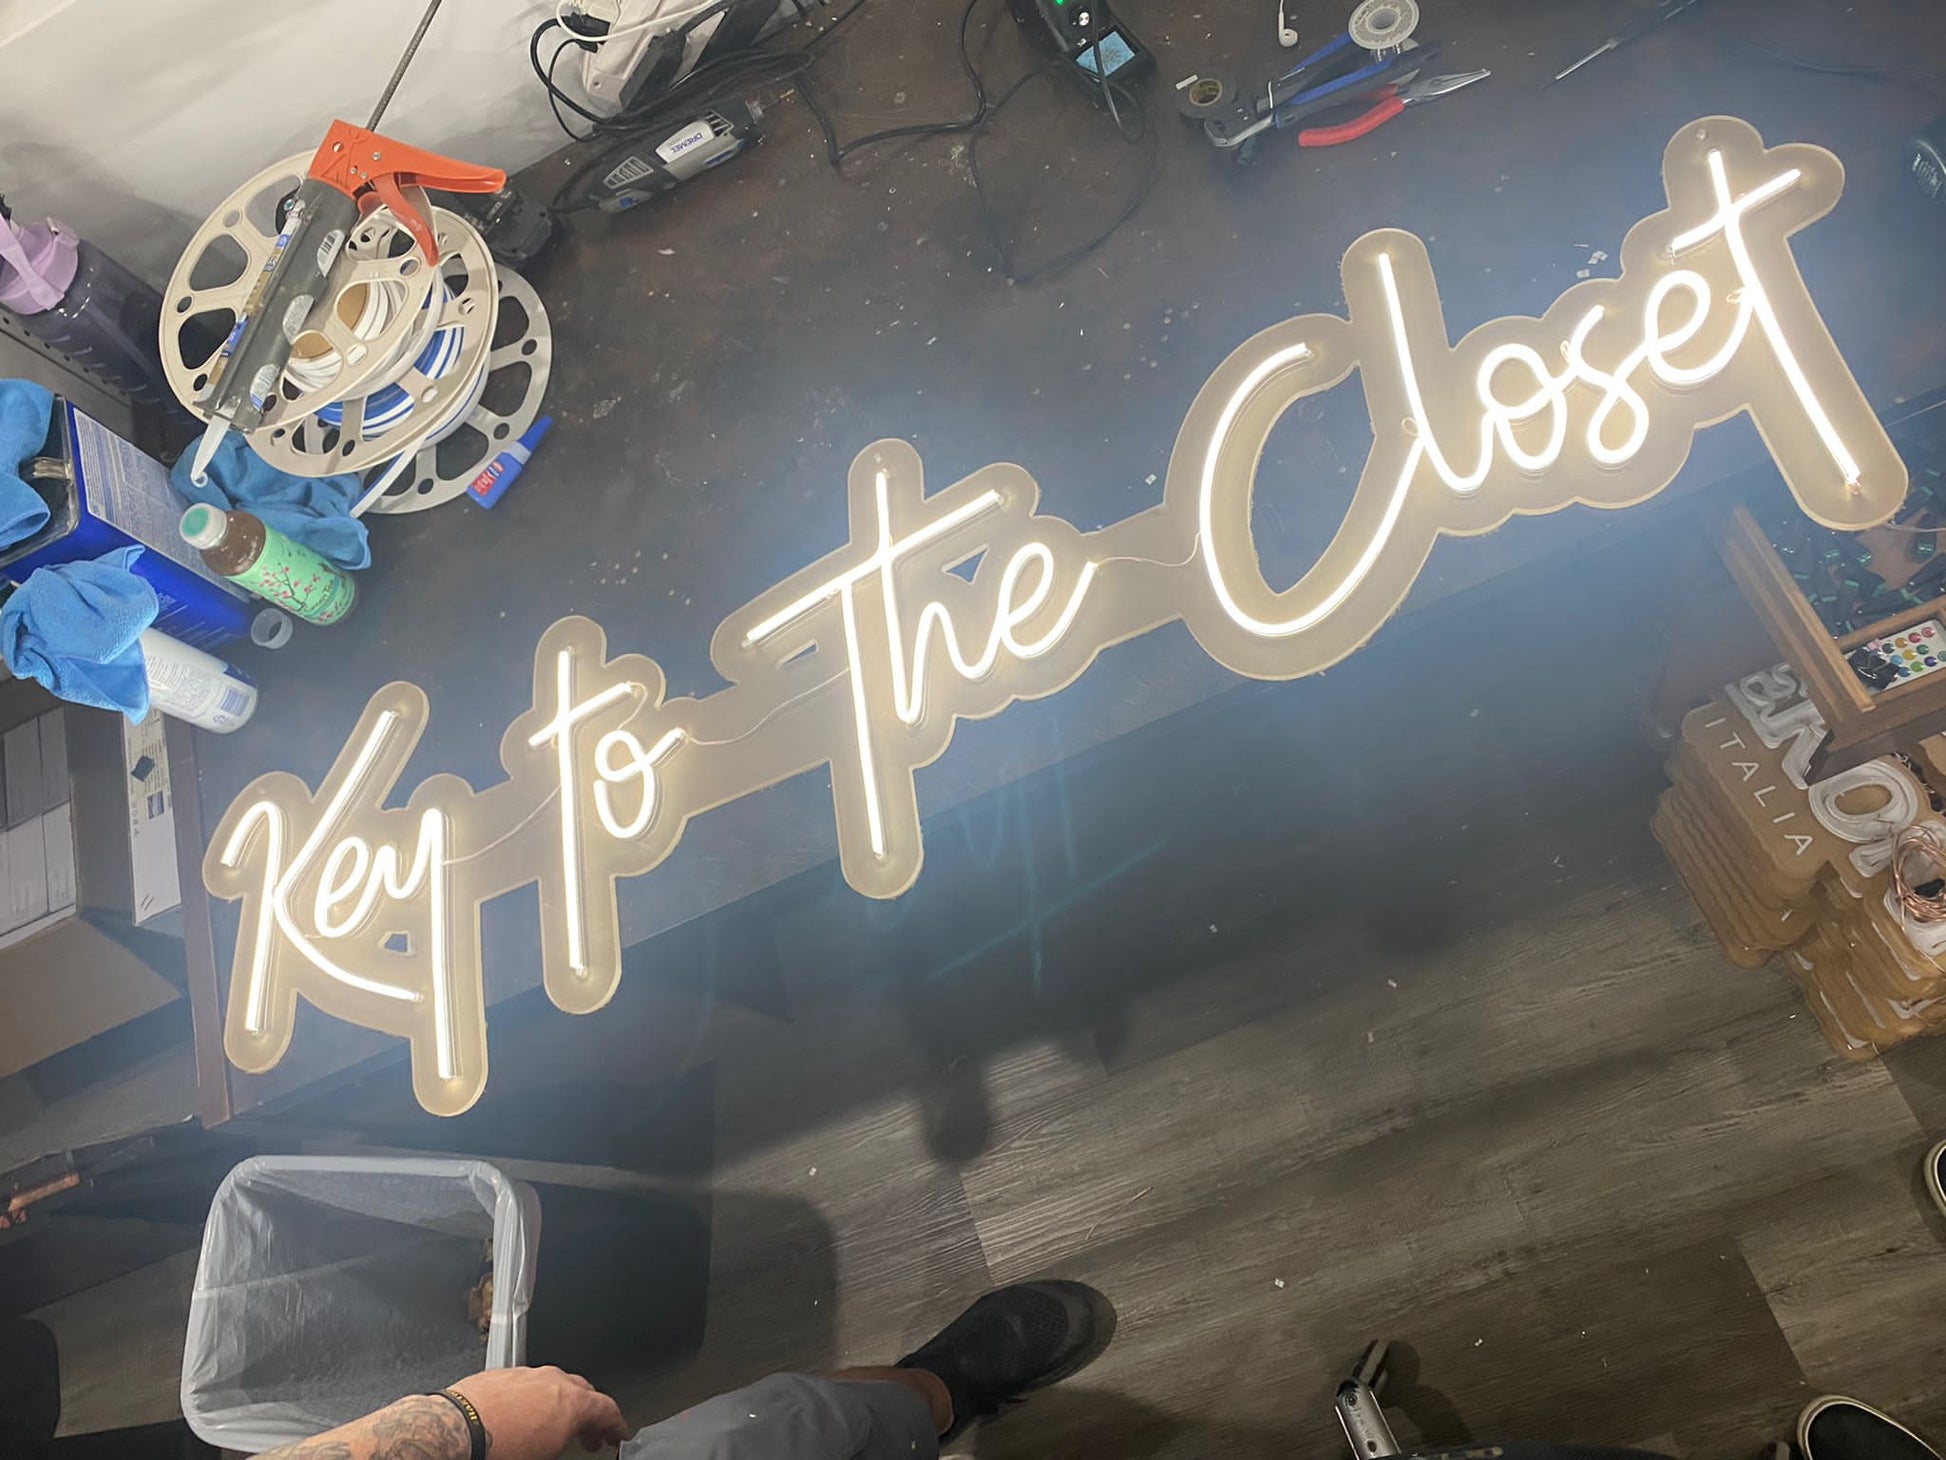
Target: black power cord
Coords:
[[976, 125], [701, 88], [990, 220], [708, 85], [1851, 70], [836, 152]]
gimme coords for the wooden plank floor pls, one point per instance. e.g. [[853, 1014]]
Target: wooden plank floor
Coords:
[[1395, 1032], [1364, 1006]]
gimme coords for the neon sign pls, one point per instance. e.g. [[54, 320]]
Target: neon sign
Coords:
[[866, 660]]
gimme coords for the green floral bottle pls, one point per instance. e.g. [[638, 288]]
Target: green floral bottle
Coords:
[[238, 545]]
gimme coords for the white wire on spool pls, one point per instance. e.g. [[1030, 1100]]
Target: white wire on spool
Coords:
[[401, 409], [395, 360], [228, 253], [438, 471]]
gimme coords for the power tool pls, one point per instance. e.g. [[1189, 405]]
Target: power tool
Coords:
[[639, 169]]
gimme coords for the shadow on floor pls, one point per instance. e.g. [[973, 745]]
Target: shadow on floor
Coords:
[[1072, 1422]]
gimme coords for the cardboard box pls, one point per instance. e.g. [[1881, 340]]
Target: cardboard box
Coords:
[[26, 792], [54, 760], [155, 884], [68, 881]]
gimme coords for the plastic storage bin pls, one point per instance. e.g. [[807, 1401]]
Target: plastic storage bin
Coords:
[[330, 1286]]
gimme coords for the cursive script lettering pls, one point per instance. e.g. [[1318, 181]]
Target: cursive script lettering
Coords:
[[865, 661]]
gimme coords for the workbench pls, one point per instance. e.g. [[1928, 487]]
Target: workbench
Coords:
[[721, 355]]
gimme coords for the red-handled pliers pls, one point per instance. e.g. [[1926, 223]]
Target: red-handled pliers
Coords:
[[1391, 101]]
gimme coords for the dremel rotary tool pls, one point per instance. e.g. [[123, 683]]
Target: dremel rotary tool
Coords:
[[654, 164]]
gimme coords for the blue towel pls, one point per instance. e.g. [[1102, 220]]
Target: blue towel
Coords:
[[77, 630], [315, 511], [24, 411]]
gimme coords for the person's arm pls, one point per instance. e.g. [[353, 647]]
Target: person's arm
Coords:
[[528, 1414]]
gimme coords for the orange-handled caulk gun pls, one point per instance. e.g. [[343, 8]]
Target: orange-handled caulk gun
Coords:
[[353, 172]]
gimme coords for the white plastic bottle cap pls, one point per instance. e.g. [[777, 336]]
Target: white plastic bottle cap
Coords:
[[270, 629], [204, 527]]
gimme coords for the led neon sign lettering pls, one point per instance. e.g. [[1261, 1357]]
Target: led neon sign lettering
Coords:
[[866, 660]]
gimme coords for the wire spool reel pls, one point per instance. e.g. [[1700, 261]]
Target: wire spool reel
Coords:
[[413, 377], [378, 421], [1383, 26], [221, 265], [506, 402]]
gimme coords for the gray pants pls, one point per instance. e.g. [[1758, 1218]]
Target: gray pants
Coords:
[[795, 1417]]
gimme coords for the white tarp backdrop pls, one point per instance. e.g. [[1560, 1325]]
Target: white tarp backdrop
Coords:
[[132, 119]]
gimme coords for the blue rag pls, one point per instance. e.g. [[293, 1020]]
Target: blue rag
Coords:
[[24, 412], [76, 629], [315, 511]]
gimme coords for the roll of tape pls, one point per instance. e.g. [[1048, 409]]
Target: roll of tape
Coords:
[[1204, 95], [1383, 26]]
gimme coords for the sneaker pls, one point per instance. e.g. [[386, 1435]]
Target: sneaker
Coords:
[[1013, 1341], [1935, 1176], [1835, 1428]]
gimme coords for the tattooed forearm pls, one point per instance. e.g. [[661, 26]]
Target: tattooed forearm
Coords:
[[322, 1448], [422, 1427]]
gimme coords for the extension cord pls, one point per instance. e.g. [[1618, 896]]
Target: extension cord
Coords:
[[609, 65], [605, 70]]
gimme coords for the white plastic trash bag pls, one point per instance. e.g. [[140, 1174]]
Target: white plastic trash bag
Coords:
[[330, 1286]]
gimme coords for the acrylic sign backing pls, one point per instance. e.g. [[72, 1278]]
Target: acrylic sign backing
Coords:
[[865, 660]]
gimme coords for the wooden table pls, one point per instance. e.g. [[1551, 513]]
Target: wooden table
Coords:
[[721, 355]]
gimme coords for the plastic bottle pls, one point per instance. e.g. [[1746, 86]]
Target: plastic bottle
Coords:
[[238, 545], [194, 686], [69, 294]]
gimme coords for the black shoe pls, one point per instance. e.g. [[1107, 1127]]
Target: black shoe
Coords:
[[1835, 1428], [1936, 1174], [1013, 1341]]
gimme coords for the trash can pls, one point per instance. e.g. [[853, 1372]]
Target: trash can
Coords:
[[329, 1286]]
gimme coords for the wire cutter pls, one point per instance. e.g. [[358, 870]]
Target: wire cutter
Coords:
[[1392, 100], [1326, 63]]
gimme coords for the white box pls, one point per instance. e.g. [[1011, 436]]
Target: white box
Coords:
[[22, 745], [57, 835], [27, 870], [9, 919], [54, 759], [157, 885]]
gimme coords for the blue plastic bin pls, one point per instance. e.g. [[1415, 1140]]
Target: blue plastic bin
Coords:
[[111, 495]]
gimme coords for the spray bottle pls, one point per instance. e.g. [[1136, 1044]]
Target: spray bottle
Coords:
[[194, 686]]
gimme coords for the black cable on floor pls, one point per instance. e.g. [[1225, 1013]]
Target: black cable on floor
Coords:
[[707, 86], [696, 91], [975, 125], [836, 152], [990, 220], [1856, 71]]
